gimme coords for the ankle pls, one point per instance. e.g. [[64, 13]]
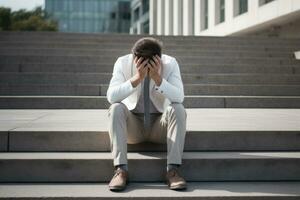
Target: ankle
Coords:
[[122, 166], [172, 166]]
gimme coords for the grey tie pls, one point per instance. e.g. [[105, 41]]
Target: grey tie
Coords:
[[146, 104]]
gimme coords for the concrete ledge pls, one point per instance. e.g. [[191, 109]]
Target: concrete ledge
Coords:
[[100, 102], [148, 191], [197, 166], [86, 130], [195, 141]]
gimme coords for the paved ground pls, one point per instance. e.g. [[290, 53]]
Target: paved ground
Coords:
[[198, 119], [201, 189]]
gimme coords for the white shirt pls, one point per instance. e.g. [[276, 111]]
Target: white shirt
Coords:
[[140, 104], [170, 90]]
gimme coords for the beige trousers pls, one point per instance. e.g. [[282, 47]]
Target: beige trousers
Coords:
[[126, 127]]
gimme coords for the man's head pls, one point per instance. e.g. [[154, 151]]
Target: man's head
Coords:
[[147, 47]]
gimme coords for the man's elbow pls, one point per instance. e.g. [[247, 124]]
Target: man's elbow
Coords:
[[110, 97], [178, 98]]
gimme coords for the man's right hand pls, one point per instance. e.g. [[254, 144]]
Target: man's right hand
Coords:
[[142, 70]]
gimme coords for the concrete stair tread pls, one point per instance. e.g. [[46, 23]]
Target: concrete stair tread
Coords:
[[204, 119], [196, 166], [190, 101], [187, 78], [76, 89], [158, 190], [263, 51], [183, 74], [62, 129], [186, 96], [185, 84], [148, 155]]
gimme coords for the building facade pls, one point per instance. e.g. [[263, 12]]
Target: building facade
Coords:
[[89, 16], [225, 17], [140, 17]]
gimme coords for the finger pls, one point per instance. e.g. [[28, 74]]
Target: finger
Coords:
[[145, 62], [141, 65], [156, 60], [140, 59], [152, 64], [159, 59], [146, 69]]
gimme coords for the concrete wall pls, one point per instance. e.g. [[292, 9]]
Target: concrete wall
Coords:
[[258, 20]]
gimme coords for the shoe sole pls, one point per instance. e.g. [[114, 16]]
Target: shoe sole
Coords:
[[178, 187], [117, 188]]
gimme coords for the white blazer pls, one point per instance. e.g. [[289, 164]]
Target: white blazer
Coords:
[[121, 90]]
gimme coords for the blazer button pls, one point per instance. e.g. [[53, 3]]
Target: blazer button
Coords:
[[161, 91]]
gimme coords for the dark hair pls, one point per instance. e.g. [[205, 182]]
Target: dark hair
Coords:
[[147, 47]]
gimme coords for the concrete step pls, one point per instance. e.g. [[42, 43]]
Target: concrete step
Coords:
[[87, 130], [100, 102], [106, 52], [127, 37], [22, 140], [168, 50], [190, 89], [184, 68], [167, 46], [112, 59], [197, 166], [154, 190], [45, 34], [131, 38], [104, 78], [199, 190]]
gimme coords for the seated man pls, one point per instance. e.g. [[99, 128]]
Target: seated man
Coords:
[[146, 93]]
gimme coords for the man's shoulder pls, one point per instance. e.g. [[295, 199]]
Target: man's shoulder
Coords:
[[167, 59], [125, 57]]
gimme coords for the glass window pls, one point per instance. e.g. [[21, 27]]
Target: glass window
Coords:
[[204, 22], [146, 27], [222, 11], [136, 14], [91, 15], [219, 11], [243, 6], [145, 4], [263, 2]]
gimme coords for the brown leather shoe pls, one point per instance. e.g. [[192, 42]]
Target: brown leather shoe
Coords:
[[174, 180], [119, 180]]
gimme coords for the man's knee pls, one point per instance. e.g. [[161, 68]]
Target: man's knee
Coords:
[[177, 109], [117, 109]]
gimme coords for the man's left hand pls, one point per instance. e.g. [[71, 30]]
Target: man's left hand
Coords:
[[154, 69]]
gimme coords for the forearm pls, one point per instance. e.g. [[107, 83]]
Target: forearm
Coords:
[[172, 92], [119, 92]]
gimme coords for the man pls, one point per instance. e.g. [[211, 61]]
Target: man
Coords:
[[146, 95]]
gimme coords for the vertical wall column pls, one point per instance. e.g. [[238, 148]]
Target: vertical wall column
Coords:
[[160, 17], [188, 17], [152, 17], [177, 17], [211, 13], [168, 17], [197, 17]]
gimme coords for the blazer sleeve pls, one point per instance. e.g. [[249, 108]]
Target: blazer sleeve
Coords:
[[172, 88], [119, 88]]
